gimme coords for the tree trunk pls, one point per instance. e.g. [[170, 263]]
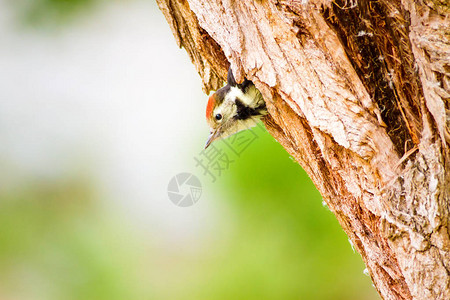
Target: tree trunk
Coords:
[[358, 91]]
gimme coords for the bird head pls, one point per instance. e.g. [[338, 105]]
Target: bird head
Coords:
[[233, 108]]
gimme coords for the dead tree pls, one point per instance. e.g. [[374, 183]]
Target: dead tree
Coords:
[[358, 92]]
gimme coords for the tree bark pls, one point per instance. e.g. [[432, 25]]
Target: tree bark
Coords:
[[358, 92]]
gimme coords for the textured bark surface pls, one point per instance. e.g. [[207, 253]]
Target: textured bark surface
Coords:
[[358, 92]]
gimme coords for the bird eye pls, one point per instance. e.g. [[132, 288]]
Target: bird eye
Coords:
[[218, 117]]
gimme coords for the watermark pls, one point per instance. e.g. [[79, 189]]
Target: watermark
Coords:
[[212, 162], [184, 189]]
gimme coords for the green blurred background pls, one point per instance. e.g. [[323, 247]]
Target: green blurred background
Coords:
[[98, 111]]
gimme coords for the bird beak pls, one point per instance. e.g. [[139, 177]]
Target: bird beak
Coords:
[[212, 137]]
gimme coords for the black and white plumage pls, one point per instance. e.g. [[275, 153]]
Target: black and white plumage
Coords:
[[233, 108]]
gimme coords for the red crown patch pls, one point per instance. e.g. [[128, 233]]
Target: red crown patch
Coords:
[[210, 105]]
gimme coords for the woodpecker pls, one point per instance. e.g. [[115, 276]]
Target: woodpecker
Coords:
[[233, 108]]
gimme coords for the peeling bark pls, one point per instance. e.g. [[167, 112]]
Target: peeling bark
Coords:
[[358, 91]]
